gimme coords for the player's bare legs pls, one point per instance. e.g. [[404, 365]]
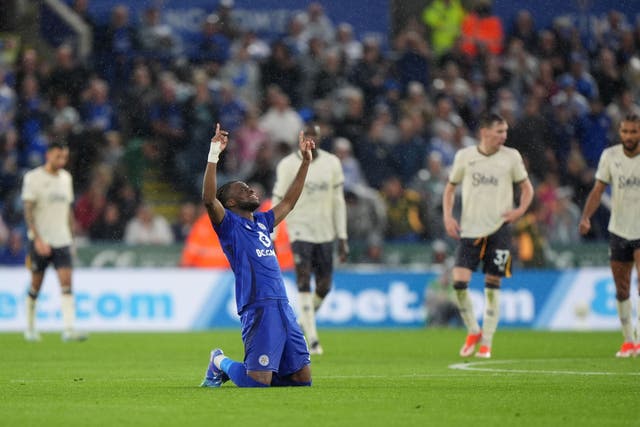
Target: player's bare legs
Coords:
[[68, 306], [621, 272]]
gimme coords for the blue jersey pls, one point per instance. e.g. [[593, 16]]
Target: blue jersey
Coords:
[[252, 256]]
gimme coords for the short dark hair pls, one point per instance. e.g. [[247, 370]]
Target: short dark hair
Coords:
[[489, 119], [57, 145], [631, 118], [223, 193]]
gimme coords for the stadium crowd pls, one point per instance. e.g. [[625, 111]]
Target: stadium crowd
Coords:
[[394, 112]]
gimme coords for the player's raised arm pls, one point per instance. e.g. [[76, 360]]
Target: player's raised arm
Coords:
[[280, 211], [209, 185]]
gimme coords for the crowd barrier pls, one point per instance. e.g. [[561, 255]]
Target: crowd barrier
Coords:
[[173, 299]]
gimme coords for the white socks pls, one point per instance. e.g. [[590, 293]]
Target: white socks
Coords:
[[30, 303], [491, 315], [68, 311], [624, 312], [307, 317], [466, 311]]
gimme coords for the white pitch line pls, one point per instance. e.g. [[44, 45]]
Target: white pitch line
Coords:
[[480, 366]]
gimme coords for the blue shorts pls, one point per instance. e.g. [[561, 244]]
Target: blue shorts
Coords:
[[273, 340]]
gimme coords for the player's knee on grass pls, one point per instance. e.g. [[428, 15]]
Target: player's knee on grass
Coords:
[[302, 376]]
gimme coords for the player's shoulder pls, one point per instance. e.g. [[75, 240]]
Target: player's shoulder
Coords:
[[65, 174], [39, 170]]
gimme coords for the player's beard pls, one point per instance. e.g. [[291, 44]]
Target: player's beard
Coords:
[[249, 205], [630, 148]]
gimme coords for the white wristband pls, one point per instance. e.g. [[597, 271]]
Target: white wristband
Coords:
[[214, 152]]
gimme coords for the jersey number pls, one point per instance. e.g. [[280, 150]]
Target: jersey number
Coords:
[[501, 258], [264, 239]]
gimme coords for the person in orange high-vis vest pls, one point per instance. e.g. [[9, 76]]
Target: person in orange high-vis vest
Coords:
[[482, 28], [202, 248]]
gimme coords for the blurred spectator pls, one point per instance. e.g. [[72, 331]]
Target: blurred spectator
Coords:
[[331, 77], [97, 112], [183, 224], [248, 139], [592, 131], [531, 136], [608, 77], [350, 48], [413, 60], [310, 65], [318, 24], [622, 106], [369, 74], [158, 41], [67, 75], [65, 119], [148, 228], [227, 20], [212, 45], [406, 213], [530, 243], [32, 119], [429, 182], [201, 114], [566, 215], [90, 205], [352, 122], [243, 72], [280, 121], [374, 155], [7, 103], [408, 154], [115, 48], [524, 29], [136, 103], [440, 298], [109, 226], [570, 97], [9, 164], [443, 19], [351, 169], [366, 223], [482, 31], [282, 70], [15, 252], [31, 66]]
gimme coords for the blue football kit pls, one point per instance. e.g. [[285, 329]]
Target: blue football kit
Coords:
[[272, 338]]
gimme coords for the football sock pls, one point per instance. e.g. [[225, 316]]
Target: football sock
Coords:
[[465, 306], [31, 311], [308, 317], [278, 381], [68, 311], [238, 373], [624, 312], [317, 301], [491, 314]]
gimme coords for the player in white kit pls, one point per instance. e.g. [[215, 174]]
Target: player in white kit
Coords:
[[487, 173], [319, 218], [47, 192], [619, 167]]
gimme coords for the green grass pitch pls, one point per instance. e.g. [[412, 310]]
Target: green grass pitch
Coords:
[[365, 378]]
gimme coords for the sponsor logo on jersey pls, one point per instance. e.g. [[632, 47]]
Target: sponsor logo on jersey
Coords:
[[628, 181], [265, 252], [478, 178]]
